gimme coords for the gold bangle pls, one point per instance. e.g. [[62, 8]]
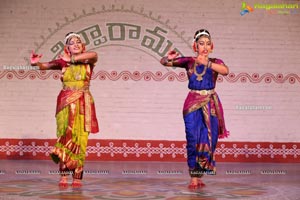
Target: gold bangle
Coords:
[[165, 60], [170, 61]]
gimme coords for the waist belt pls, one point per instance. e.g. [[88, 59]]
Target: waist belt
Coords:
[[204, 92], [84, 88]]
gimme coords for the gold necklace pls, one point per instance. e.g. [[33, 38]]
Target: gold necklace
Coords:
[[199, 76]]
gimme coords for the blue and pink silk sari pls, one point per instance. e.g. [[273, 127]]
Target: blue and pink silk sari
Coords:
[[203, 116]]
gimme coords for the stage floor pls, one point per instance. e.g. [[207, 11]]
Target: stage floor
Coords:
[[33, 179]]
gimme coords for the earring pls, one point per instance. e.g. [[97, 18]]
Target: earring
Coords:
[[196, 51]]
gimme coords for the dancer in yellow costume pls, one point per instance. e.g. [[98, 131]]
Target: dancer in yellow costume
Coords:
[[75, 111]]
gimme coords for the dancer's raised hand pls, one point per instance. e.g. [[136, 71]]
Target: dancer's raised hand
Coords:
[[34, 58]]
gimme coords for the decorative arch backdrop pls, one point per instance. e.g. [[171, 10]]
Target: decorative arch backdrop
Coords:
[[138, 101]]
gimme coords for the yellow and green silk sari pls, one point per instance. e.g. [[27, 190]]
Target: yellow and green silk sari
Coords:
[[75, 118]]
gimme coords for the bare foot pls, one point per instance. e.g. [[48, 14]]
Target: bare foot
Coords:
[[194, 183], [63, 182], [200, 183], [76, 183]]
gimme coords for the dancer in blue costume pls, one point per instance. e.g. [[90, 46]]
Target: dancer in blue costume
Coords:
[[202, 110]]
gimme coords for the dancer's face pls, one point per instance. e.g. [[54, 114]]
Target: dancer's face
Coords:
[[75, 46], [204, 46]]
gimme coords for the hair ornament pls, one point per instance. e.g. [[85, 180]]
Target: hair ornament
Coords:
[[71, 35], [204, 32]]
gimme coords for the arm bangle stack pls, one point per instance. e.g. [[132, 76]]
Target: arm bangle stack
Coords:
[[170, 61], [166, 60]]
